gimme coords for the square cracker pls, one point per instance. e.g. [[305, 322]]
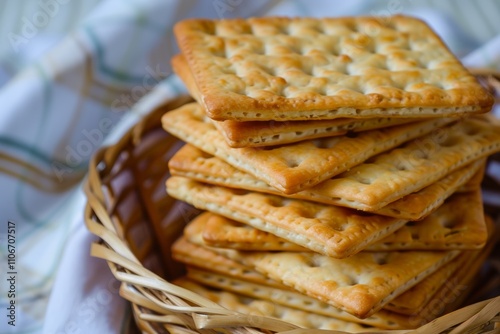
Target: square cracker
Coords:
[[381, 319], [360, 285], [333, 231], [267, 133], [294, 167], [458, 224], [278, 68], [193, 163], [209, 266], [414, 301]]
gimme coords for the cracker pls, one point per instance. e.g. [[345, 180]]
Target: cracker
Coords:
[[414, 299], [419, 163], [476, 180], [193, 163], [277, 68], [412, 302], [326, 229], [258, 307], [382, 319], [192, 254], [420, 204], [222, 232], [452, 294], [291, 168], [417, 299], [360, 285], [267, 133], [457, 224]]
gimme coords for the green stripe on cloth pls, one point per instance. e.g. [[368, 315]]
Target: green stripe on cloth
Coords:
[[33, 152]]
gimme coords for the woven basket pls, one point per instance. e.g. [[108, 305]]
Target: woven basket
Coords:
[[137, 222]]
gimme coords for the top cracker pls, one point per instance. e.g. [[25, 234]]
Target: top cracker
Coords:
[[275, 68]]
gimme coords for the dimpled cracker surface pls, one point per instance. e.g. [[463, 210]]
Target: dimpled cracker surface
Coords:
[[419, 163], [360, 285], [418, 205], [193, 163], [457, 224], [445, 281], [291, 168], [382, 319], [451, 295], [326, 229], [414, 301], [276, 68], [266, 133], [259, 307]]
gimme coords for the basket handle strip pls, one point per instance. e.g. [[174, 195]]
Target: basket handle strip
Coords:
[[113, 241], [95, 206], [451, 319], [150, 280], [204, 321], [166, 319], [131, 294], [174, 289], [496, 328], [144, 326], [493, 331], [486, 314], [103, 252], [176, 329], [329, 331], [99, 210], [153, 297], [93, 177]]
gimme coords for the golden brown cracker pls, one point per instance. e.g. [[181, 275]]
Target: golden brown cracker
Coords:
[[193, 163], [333, 231], [268, 133], [294, 167], [277, 68]]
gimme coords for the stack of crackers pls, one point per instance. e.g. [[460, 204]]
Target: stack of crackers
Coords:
[[338, 163]]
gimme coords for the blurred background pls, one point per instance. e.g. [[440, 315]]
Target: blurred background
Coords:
[[73, 76]]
